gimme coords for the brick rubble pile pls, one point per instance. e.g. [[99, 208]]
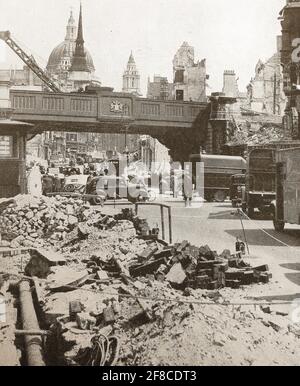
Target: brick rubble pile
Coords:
[[44, 221], [267, 133], [114, 277]]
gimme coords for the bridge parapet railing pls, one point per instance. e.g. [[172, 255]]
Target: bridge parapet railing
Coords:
[[101, 107], [53, 104], [168, 110]]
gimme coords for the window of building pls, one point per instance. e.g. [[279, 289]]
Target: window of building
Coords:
[[179, 76], [179, 95], [6, 146], [70, 137]]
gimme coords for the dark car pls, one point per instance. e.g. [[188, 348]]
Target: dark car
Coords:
[[112, 187]]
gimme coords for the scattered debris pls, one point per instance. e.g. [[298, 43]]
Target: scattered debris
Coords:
[[112, 278]]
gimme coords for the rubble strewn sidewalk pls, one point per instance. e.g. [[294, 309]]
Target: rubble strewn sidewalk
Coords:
[[102, 274], [37, 222]]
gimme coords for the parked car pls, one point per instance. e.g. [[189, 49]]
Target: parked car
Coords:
[[112, 187], [75, 184]]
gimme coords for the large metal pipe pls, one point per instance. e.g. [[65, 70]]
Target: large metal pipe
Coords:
[[33, 343]]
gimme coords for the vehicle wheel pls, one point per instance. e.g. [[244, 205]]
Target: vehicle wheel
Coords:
[[208, 197], [250, 212], [69, 188], [278, 225], [97, 200], [142, 198], [220, 196], [234, 203]]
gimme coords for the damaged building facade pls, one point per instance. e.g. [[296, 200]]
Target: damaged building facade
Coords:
[[265, 91], [290, 59], [189, 79]]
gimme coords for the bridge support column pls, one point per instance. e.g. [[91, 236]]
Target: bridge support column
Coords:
[[221, 114]]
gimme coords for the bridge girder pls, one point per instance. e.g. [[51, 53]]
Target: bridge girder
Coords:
[[180, 126]]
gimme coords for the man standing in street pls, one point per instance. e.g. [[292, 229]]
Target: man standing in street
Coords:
[[48, 184], [187, 187]]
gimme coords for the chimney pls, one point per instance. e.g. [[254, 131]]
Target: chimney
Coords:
[[230, 86]]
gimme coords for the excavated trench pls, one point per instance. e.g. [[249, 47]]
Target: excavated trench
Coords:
[[24, 337]]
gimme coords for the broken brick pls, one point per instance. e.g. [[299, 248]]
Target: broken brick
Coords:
[[233, 262], [262, 268], [109, 315], [202, 282], [176, 275], [75, 307], [235, 275], [148, 252], [233, 283], [204, 250], [167, 252], [203, 272], [211, 255], [213, 285], [226, 254], [182, 246], [206, 264], [247, 277], [264, 277], [144, 269]]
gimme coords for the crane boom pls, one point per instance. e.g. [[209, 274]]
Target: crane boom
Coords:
[[29, 61]]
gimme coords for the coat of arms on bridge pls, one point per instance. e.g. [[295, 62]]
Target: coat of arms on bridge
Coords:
[[118, 107]]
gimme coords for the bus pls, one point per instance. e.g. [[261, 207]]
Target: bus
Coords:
[[218, 170]]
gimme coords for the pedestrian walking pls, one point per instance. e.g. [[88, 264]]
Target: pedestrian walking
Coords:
[[34, 181], [187, 188]]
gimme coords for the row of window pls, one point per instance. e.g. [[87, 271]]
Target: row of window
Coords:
[[6, 146]]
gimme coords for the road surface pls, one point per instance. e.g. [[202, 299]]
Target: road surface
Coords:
[[218, 225]]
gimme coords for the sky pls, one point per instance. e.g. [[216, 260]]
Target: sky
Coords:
[[230, 34]]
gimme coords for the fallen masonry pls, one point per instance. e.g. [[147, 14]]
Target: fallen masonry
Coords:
[[105, 279]]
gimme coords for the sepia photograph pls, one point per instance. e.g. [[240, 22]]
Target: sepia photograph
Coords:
[[149, 186]]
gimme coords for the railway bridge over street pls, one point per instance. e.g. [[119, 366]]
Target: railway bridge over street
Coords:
[[181, 126]]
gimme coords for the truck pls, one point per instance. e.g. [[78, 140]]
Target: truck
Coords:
[[218, 171], [260, 181], [260, 189], [287, 203], [237, 189]]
